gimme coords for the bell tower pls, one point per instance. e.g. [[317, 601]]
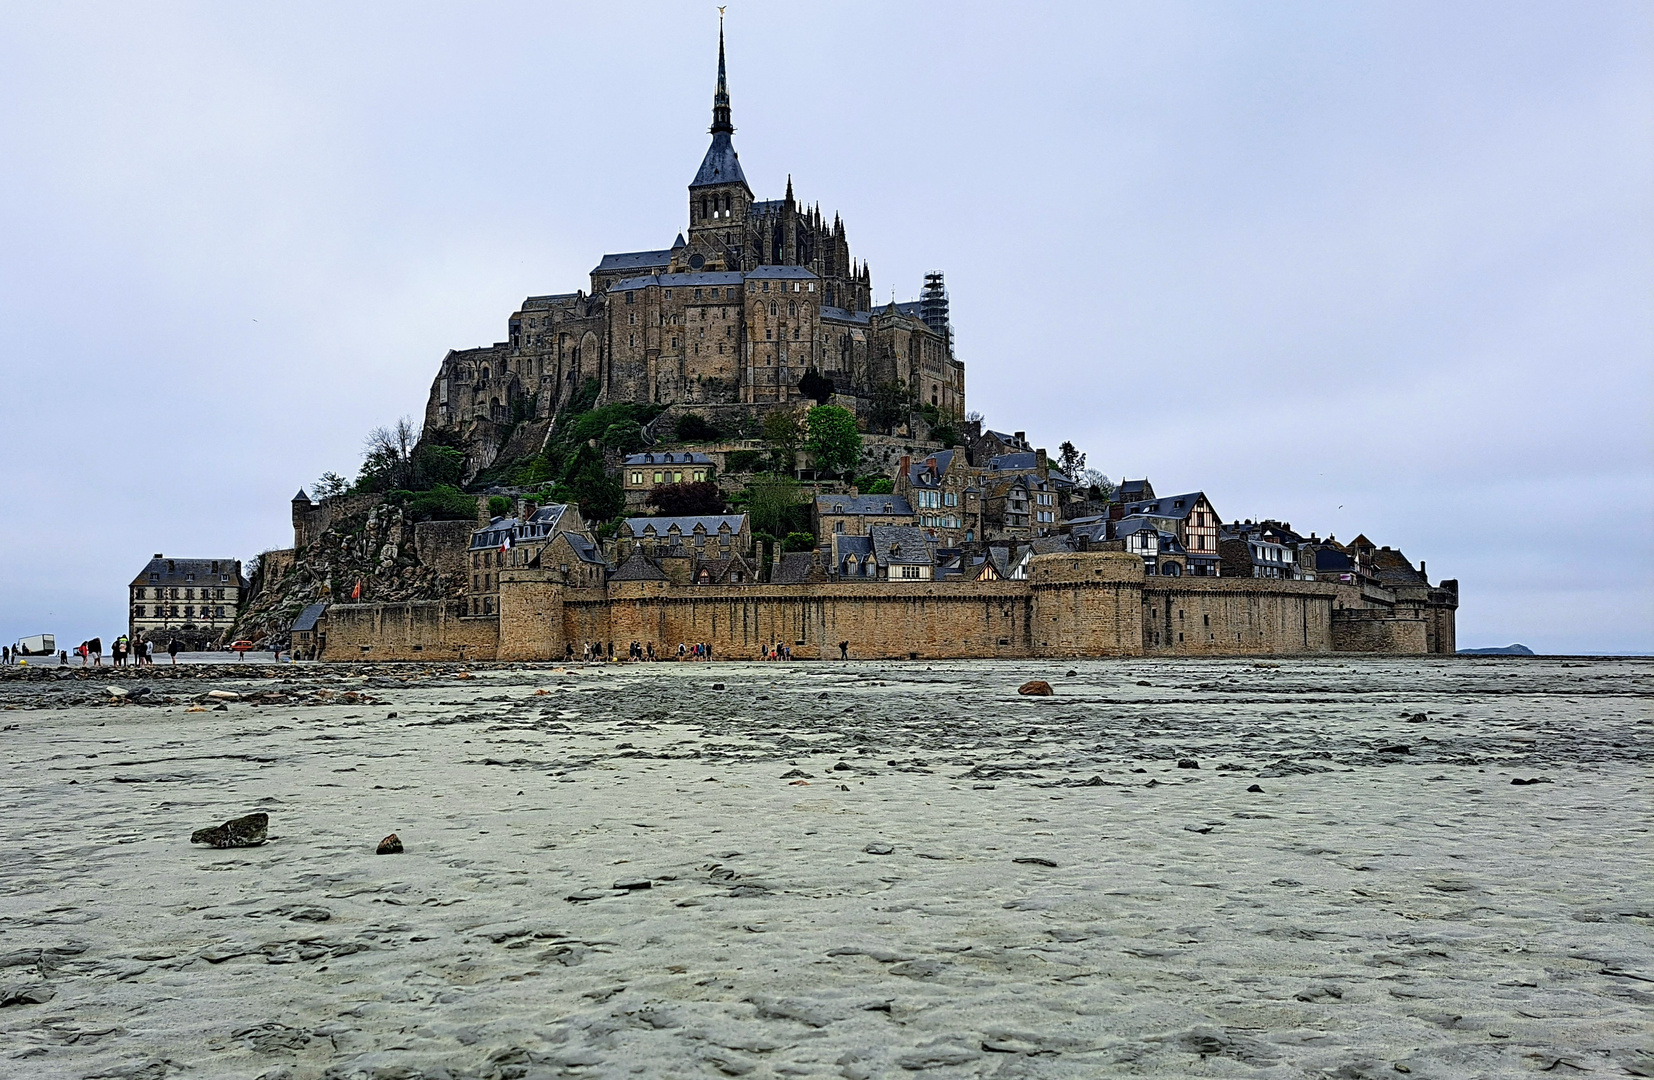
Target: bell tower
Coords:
[[719, 198]]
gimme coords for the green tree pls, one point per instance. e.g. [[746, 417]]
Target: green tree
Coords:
[[773, 502], [500, 505], [1071, 461], [833, 439], [798, 541], [783, 431], [891, 404], [329, 485], [434, 464], [882, 486]]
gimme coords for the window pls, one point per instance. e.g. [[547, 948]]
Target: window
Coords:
[[700, 474], [666, 294], [657, 478], [698, 296], [772, 307], [138, 612], [910, 572], [838, 526], [765, 287], [630, 297], [637, 478]]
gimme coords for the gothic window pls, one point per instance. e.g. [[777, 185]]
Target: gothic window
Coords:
[[795, 333], [792, 307], [772, 307], [703, 206]]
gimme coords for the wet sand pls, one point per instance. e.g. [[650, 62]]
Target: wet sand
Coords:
[[852, 870]]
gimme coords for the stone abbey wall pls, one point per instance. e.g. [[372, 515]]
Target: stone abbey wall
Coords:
[[1092, 604]]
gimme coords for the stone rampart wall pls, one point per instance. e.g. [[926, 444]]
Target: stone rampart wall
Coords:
[[437, 630], [1236, 617], [1376, 631], [1090, 604]]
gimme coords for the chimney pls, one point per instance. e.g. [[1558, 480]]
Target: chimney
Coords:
[[930, 463], [907, 465], [158, 555]]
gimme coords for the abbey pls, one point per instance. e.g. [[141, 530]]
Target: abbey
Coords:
[[760, 293]]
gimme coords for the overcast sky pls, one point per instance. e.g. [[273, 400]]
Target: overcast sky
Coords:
[[1382, 268]]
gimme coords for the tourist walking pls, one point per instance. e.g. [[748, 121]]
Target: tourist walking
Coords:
[[6, 653], [844, 650], [95, 647], [63, 658], [173, 649]]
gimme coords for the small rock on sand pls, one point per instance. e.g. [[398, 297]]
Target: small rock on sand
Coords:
[[878, 848], [116, 691], [223, 695], [1188, 763], [1035, 860], [1035, 688], [26, 994], [1255, 788], [390, 845], [248, 831]]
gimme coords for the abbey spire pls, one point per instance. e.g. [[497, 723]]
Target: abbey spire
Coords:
[[721, 164], [720, 96]]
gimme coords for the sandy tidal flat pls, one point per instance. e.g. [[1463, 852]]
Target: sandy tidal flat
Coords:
[[849, 870]]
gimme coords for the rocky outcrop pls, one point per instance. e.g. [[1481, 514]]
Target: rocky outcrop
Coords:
[[378, 545]]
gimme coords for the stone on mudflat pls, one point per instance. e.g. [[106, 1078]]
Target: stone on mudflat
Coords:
[[1035, 688], [248, 831], [223, 695], [1188, 763], [390, 845]]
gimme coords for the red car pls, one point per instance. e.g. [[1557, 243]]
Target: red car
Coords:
[[242, 646]]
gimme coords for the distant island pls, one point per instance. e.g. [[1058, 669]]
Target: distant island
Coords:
[[1506, 650]]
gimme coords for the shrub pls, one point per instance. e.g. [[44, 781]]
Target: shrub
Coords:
[[882, 486], [798, 541], [442, 503], [501, 505], [743, 461]]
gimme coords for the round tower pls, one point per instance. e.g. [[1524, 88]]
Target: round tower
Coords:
[[1087, 604]]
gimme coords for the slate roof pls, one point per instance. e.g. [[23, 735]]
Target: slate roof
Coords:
[[838, 314], [722, 165], [1170, 506], [494, 533], [191, 572], [919, 473], [542, 523], [678, 281], [790, 273], [541, 303], [1331, 559], [672, 457], [637, 568], [795, 568], [1007, 439], [585, 549], [634, 260], [686, 524], [1027, 461], [863, 504], [309, 616], [911, 548]]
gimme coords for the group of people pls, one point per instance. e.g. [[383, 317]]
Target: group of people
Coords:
[[122, 651], [644, 651]]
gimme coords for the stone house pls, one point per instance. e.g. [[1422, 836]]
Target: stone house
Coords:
[[1191, 519], [946, 494], [700, 536], [853, 515], [1248, 549], [513, 542], [170, 594], [307, 638], [642, 473], [1163, 554], [1020, 506]]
